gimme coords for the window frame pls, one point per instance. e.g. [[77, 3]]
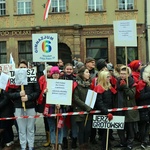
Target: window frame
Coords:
[[25, 53], [120, 52], [126, 3], [99, 49], [100, 7], [2, 2], [24, 7], [58, 6], [3, 53]]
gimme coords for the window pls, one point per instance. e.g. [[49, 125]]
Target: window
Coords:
[[132, 54], [95, 5], [58, 5], [24, 6], [25, 50], [2, 7], [97, 48], [126, 4], [3, 55]]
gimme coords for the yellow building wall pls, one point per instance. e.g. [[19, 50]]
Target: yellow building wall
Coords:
[[15, 27]]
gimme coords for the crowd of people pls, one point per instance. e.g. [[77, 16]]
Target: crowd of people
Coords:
[[116, 87]]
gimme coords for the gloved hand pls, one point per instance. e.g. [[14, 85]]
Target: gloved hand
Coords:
[[88, 109], [46, 109], [110, 116], [122, 82]]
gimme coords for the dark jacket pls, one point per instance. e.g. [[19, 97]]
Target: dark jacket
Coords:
[[79, 97], [104, 99], [32, 90], [6, 106], [126, 98]]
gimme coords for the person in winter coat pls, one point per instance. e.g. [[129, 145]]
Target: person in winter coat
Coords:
[[42, 101], [143, 90], [29, 96], [6, 110], [69, 120], [126, 89], [53, 109], [104, 101], [79, 97]]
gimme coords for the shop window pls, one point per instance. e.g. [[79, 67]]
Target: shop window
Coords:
[[25, 50], [3, 54], [95, 5], [97, 48], [58, 6], [126, 4], [132, 54], [2, 7], [24, 6]]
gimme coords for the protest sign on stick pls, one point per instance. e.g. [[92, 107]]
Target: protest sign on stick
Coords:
[[21, 79]]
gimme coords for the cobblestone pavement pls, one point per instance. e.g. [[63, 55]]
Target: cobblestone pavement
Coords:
[[40, 138]]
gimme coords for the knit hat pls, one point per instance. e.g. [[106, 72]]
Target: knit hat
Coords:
[[79, 65], [101, 63], [89, 59], [54, 70], [135, 64]]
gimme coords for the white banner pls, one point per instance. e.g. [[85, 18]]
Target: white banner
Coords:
[[59, 92], [102, 122], [125, 33]]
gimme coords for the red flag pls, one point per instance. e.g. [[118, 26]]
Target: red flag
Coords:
[[47, 9]]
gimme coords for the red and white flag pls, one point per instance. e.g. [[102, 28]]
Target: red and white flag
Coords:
[[47, 9]]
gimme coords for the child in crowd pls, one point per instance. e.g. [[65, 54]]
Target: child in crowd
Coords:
[[126, 90], [51, 109], [68, 75]]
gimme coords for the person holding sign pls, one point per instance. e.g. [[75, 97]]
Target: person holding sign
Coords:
[[105, 96], [68, 75], [56, 130], [79, 97], [126, 89], [29, 96]]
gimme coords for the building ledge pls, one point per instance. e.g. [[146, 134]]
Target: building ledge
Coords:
[[102, 11], [23, 14], [4, 15], [58, 13], [126, 10]]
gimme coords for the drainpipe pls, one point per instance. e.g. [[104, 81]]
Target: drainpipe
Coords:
[[146, 33]]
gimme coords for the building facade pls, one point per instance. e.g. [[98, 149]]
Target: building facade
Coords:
[[84, 27]]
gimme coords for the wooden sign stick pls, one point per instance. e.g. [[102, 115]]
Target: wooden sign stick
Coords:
[[23, 103]]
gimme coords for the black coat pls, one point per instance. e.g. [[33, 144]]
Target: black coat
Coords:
[[6, 106], [104, 101], [32, 90]]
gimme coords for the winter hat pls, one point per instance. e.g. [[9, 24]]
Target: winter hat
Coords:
[[54, 70], [135, 64], [89, 59], [101, 63], [79, 65]]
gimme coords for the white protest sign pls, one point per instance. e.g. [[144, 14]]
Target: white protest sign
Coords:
[[125, 33], [21, 76], [59, 92], [45, 47], [3, 80], [6, 68], [91, 98], [102, 122], [31, 76]]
